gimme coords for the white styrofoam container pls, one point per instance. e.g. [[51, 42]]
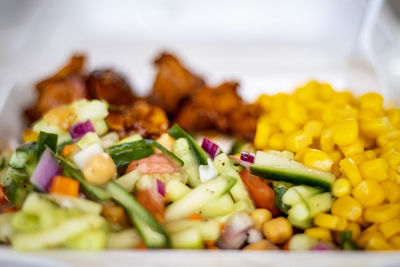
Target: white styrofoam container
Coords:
[[268, 46]]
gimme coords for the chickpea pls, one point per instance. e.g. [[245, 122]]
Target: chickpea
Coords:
[[259, 217], [278, 230], [261, 245], [100, 169]]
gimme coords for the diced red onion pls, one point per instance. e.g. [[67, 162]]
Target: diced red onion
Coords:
[[78, 130], [320, 246], [160, 187], [210, 147], [46, 169], [235, 232], [246, 159]]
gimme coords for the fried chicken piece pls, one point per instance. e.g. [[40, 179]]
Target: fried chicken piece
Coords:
[[140, 117], [218, 108], [173, 84], [110, 86], [64, 87]]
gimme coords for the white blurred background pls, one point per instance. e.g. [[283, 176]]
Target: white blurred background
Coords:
[[268, 46]]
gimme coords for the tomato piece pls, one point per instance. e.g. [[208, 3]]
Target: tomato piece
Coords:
[[263, 196], [152, 201], [156, 163]]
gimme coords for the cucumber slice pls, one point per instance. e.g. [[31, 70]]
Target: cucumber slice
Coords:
[[175, 190], [302, 242], [187, 239], [125, 239], [91, 240], [209, 230], [90, 110], [224, 166], [199, 197], [88, 140], [35, 203], [298, 193], [129, 139], [177, 132], [100, 126], [278, 168], [299, 212], [280, 190], [129, 180], [319, 203], [25, 222], [218, 207], [74, 203], [43, 126], [191, 164]]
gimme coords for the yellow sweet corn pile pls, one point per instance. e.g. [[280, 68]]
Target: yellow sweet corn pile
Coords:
[[358, 140]]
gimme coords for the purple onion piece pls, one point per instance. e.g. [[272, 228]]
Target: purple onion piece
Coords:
[[45, 171], [78, 130], [160, 187], [321, 246], [247, 156], [210, 147], [235, 232]]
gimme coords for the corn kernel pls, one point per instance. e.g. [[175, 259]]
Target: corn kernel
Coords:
[[350, 169], [373, 127], [262, 133], [265, 102], [390, 228], [325, 91], [317, 159], [330, 221], [371, 101], [30, 136], [370, 154], [358, 158], [336, 156], [394, 116], [277, 141], [382, 213], [297, 141], [326, 140], [345, 132], [392, 190], [336, 170], [394, 176], [366, 236], [388, 137], [355, 230], [395, 241], [319, 233], [375, 169], [344, 97], [369, 193], [297, 113], [313, 127], [393, 159], [355, 148], [372, 228], [378, 243], [347, 207], [341, 187], [287, 126], [363, 223]]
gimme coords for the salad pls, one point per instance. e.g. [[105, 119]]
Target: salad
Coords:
[[315, 170]]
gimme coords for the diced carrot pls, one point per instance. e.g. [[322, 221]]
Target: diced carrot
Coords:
[[209, 244], [262, 194], [64, 186], [196, 217], [2, 195], [10, 210], [68, 149], [141, 245], [221, 226], [29, 135], [286, 245]]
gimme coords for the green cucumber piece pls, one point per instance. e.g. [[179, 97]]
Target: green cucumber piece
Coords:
[[6, 228], [57, 235], [36, 203], [125, 239], [319, 203], [177, 132], [165, 151], [278, 168], [218, 207], [90, 109], [129, 139], [224, 166], [298, 193], [189, 238], [74, 203], [46, 140], [91, 240], [88, 140], [100, 126], [129, 180], [280, 190], [299, 211], [25, 222], [151, 231], [43, 126], [302, 242], [22, 155], [191, 165], [199, 197], [175, 190], [209, 230]]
